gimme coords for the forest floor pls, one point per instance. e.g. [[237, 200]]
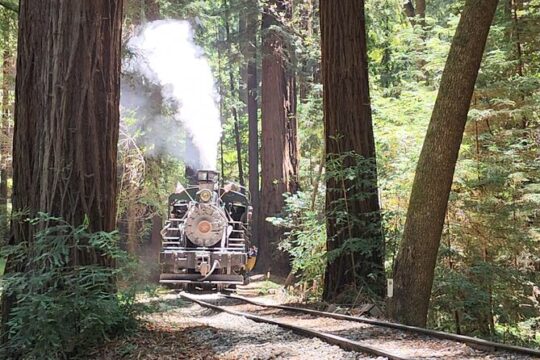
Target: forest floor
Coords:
[[177, 329], [173, 328]]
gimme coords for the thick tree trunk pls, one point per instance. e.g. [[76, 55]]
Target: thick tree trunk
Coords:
[[279, 160], [415, 264], [67, 112], [348, 128], [67, 117]]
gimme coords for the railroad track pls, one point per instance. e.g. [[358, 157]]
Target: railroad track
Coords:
[[368, 336], [342, 342]]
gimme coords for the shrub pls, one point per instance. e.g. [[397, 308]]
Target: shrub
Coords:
[[61, 309], [305, 236]]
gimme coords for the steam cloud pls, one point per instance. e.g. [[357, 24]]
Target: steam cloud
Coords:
[[164, 56]]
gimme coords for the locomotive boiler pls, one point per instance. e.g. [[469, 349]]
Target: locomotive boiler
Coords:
[[206, 238]]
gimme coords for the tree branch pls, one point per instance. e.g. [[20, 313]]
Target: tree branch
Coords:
[[9, 5]]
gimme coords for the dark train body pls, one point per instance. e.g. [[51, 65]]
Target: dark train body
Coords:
[[206, 237]]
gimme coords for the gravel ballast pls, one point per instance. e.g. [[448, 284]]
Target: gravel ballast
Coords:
[[234, 337]]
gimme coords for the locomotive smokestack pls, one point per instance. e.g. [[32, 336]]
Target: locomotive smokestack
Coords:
[[191, 176]]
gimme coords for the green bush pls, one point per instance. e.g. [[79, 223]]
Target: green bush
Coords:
[[61, 308], [304, 219], [305, 236]]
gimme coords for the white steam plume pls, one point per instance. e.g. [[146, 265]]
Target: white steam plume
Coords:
[[164, 54]]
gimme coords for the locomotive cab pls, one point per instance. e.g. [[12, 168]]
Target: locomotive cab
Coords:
[[206, 237]]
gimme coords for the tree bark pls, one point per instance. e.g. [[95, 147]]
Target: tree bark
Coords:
[[67, 118], [279, 160], [348, 128], [415, 264]]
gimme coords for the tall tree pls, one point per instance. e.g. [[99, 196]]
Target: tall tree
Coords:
[[233, 93], [6, 118], [249, 26], [279, 150], [415, 263], [349, 130], [67, 117]]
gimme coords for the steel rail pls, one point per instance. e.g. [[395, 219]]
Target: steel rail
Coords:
[[484, 344], [342, 342]]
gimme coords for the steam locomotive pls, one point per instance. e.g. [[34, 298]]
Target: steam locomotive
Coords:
[[205, 240]]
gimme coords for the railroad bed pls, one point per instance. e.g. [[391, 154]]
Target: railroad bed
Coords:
[[372, 337]]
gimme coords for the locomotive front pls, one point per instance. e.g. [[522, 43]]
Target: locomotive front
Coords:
[[206, 238]]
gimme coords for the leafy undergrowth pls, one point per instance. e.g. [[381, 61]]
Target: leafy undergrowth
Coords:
[[59, 306], [156, 341], [267, 287]]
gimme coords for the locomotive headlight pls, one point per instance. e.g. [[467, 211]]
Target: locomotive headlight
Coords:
[[204, 227], [205, 195]]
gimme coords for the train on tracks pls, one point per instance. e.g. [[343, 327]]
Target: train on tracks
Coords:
[[206, 238]]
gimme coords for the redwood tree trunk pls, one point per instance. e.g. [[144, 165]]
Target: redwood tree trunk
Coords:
[[67, 117], [348, 129], [67, 111], [279, 160], [415, 263]]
